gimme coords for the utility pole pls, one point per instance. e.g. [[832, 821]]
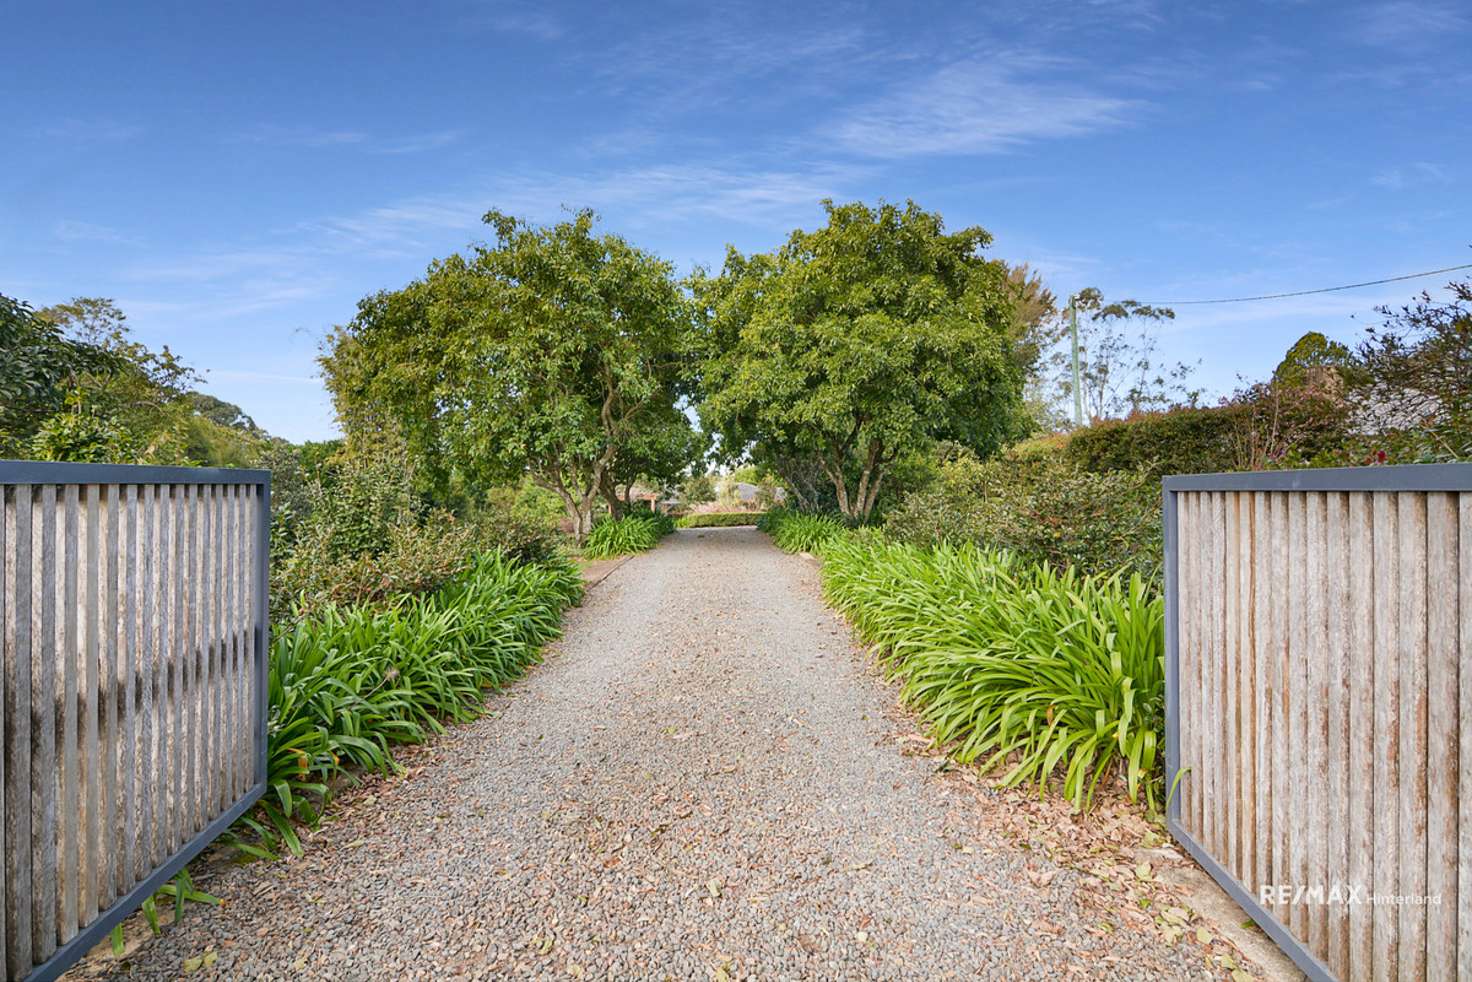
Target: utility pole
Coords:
[[1078, 392]]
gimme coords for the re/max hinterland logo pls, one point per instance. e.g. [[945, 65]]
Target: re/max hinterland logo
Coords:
[[1343, 894]]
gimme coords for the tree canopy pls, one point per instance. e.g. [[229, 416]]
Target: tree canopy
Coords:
[[74, 385], [855, 343], [550, 352]]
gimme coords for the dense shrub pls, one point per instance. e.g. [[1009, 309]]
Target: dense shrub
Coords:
[[1044, 510], [772, 517], [794, 531], [355, 530], [718, 519], [348, 683], [1273, 424], [624, 536], [1182, 441], [1034, 672]]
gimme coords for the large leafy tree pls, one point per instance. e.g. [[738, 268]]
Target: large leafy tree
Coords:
[[856, 343], [75, 386], [545, 354]]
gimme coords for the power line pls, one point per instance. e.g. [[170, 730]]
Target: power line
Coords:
[[1304, 293]]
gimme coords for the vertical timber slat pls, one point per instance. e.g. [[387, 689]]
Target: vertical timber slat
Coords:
[[1283, 775], [43, 724], [1315, 657], [1385, 931], [1263, 698], [1442, 752], [1361, 652], [70, 799], [1464, 724], [18, 732], [1411, 652], [1231, 716], [1336, 650]]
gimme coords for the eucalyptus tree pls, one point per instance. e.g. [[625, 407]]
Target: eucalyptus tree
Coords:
[[544, 353], [854, 344]]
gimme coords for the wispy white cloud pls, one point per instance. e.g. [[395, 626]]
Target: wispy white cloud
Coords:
[[670, 192], [423, 142], [1409, 24], [526, 19], [271, 135], [1420, 174], [980, 107], [215, 264], [309, 138], [71, 230], [76, 130]]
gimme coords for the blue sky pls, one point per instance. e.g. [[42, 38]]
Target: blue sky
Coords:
[[238, 176]]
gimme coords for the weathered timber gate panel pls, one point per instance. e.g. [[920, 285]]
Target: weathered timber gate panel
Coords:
[[133, 624], [1319, 662]]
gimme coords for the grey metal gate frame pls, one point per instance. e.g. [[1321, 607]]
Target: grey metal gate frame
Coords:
[[1412, 477], [42, 473]]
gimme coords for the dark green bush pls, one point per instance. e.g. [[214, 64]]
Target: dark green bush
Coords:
[[1182, 441], [413, 557], [1044, 510], [1266, 426]]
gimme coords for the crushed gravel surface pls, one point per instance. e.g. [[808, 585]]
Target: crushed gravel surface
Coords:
[[703, 781]]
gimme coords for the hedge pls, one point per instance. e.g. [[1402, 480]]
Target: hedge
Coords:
[[718, 519]]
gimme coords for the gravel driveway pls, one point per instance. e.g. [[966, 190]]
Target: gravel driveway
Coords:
[[702, 782]]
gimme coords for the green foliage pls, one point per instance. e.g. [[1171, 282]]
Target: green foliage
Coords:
[[75, 387], [636, 532], [697, 489], [222, 413], [1043, 509], [350, 682], [1311, 358], [1416, 396], [854, 344], [1182, 441], [795, 531], [1268, 425], [40, 367], [1035, 673], [552, 352], [717, 519], [364, 534]]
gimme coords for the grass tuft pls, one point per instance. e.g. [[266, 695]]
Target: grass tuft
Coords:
[[625, 536]]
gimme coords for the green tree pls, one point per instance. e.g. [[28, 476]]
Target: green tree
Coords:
[[657, 456], [41, 366], [1415, 378], [75, 386], [546, 354], [697, 489], [222, 413], [1120, 373], [855, 343]]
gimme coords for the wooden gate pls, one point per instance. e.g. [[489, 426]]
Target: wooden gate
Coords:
[[134, 628], [1319, 687]]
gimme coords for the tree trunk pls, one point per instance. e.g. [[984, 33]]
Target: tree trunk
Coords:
[[609, 491], [579, 513]]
